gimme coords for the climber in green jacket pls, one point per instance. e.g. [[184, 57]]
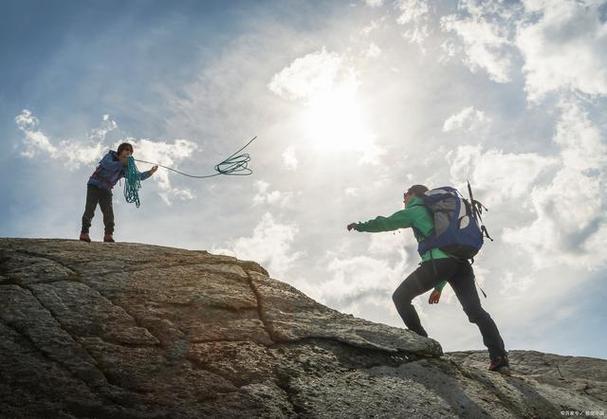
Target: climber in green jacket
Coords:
[[436, 269]]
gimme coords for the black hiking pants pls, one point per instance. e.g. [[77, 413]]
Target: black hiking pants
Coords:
[[103, 197], [460, 276]]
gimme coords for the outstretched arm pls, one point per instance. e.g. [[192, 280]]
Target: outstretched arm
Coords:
[[400, 219], [147, 173]]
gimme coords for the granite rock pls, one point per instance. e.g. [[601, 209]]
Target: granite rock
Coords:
[[140, 331]]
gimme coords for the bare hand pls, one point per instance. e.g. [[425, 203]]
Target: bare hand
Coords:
[[153, 170], [434, 297], [352, 226]]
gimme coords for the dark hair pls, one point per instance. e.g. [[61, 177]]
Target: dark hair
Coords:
[[124, 146], [417, 190]]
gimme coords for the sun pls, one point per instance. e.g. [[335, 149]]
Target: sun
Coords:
[[333, 120]]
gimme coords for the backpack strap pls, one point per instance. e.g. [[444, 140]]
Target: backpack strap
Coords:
[[484, 230], [479, 287]]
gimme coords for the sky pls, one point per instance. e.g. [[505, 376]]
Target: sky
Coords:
[[351, 102]]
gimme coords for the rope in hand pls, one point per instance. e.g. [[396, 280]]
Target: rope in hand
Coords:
[[132, 183], [234, 165]]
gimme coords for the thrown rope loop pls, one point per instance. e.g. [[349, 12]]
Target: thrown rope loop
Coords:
[[233, 165]]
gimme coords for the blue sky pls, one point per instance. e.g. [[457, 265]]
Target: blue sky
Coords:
[[352, 102]]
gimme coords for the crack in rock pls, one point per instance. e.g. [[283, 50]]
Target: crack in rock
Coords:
[[260, 311]]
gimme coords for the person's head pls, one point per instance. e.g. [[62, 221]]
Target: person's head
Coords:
[[413, 191], [124, 149]]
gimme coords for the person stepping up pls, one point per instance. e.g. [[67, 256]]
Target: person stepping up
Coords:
[[449, 232]]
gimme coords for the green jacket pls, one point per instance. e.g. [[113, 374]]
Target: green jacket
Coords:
[[414, 215]]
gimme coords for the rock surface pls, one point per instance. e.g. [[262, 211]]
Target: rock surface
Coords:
[[139, 331]]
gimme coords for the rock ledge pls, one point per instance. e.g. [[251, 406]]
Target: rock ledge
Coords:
[[141, 331]]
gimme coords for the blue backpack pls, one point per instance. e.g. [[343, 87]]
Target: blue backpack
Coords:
[[458, 226]]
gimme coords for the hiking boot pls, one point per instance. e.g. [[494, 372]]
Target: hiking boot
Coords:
[[500, 364], [108, 238], [85, 237]]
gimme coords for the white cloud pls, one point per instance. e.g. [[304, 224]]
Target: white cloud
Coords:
[[265, 196], [515, 284], [72, 153], [108, 124], [289, 158], [411, 11], [483, 47], [373, 52], [415, 16], [368, 280], [468, 119], [166, 154], [500, 176], [270, 245], [360, 280], [391, 243], [35, 140], [370, 152], [562, 43], [374, 3], [352, 191], [567, 229], [485, 31], [565, 48], [570, 225], [306, 76], [582, 144], [373, 25]]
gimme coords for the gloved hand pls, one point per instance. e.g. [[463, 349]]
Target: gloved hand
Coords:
[[434, 297], [352, 226]]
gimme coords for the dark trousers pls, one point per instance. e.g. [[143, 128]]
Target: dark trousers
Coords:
[[103, 197], [460, 276]]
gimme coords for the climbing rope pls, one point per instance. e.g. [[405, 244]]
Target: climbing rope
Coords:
[[234, 165], [132, 183]]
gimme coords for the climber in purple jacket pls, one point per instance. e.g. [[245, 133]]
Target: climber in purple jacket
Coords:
[[99, 189]]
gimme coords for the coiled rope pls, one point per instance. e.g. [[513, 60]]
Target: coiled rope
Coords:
[[132, 183], [236, 164]]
